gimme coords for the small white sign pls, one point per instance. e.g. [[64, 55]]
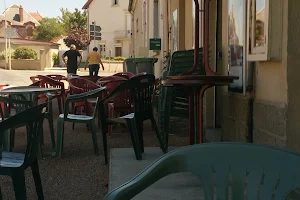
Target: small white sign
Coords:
[[11, 33]]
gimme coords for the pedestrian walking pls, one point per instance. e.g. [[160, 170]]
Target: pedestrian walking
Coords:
[[93, 60], [72, 62]]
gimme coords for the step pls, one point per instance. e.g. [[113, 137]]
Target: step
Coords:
[[124, 166]]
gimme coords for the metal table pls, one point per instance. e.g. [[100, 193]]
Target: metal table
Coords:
[[28, 91], [197, 85]]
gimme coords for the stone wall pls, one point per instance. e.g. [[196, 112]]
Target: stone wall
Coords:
[[23, 65], [269, 123], [245, 120], [237, 117]]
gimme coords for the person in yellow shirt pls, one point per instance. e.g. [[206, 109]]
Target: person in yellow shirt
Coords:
[[93, 61]]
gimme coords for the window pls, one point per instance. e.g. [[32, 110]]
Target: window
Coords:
[[264, 29], [102, 49], [257, 25], [115, 3]]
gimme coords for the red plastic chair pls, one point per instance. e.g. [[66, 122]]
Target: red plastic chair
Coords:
[[127, 75], [78, 86], [57, 77], [34, 79], [121, 104], [1, 88], [94, 79], [139, 74], [48, 82]]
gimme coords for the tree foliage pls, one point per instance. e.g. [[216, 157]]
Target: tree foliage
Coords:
[[75, 26], [74, 19], [49, 28], [78, 36]]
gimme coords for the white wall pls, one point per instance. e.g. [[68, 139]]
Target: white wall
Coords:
[[111, 19]]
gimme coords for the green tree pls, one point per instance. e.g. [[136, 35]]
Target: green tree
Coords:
[[25, 53], [49, 28], [78, 36], [73, 19]]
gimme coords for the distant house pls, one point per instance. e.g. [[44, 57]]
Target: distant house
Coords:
[[17, 17], [115, 21]]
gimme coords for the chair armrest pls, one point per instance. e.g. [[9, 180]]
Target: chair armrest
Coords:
[[165, 165], [83, 96]]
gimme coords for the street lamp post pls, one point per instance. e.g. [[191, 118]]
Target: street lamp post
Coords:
[[5, 27]]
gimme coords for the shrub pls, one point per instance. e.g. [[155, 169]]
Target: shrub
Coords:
[[55, 58], [119, 58], [2, 54], [25, 53]]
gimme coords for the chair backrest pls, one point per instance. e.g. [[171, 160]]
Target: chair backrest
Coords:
[[96, 93], [112, 78], [17, 102], [94, 79], [141, 89], [37, 84], [259, 171], [56, 77], [127, 75], [34, 125], [47, 82], [3, 85], [80, 85], [123, 100], [34, 79]]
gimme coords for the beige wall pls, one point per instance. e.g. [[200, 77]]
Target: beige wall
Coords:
[[100, 11], [23, 65]]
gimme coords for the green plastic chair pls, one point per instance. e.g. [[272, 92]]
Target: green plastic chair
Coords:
[[89, 120], [19, 104], [140, 88], [173, 101], [33, 100], [267, 171], [14, 164]]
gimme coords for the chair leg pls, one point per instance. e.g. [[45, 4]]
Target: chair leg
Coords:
[[134, 138], [94, 136], [139, 125], [0, 194], [59, 101], [12, 138], [104, 138], [75, 111], [60, 137], [110, 116], [18, 179], [154, 125], [37, 180], [51, 127]]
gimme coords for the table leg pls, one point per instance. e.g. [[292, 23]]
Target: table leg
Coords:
[[6, 140], [202, 91], [196, 114], [191, 117]]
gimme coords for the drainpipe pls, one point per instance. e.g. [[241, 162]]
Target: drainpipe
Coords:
[[196, 50], [166, 27]]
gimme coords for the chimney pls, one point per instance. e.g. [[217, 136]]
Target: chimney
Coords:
[[21, 13]]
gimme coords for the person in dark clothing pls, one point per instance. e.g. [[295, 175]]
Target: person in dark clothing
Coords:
[[72, 63]]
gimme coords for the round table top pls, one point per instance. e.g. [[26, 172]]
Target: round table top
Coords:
[[28, 90], [199, 80]]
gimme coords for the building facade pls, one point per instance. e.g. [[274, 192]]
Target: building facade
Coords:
[[115, 22], [256, 40], [17, 17]]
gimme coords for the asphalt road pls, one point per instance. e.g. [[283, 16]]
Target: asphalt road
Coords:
[[22, 77]]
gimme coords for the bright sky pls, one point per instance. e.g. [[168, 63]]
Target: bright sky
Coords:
[[45, 8]]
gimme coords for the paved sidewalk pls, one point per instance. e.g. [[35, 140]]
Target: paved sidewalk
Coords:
[[21, 77]]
